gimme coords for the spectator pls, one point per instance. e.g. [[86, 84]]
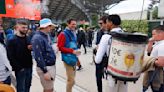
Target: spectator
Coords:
[[64, 40], [44, 55], [5, 67], [19, 54], [155, 48]]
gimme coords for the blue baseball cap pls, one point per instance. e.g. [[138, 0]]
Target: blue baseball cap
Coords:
[[46, 22]]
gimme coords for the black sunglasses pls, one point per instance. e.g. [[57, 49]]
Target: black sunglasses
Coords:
[[100, 23]]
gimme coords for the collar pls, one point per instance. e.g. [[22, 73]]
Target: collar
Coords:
[[116, 29], [158, 42], [42, 33]]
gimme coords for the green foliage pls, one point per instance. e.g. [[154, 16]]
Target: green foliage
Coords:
[[94, 19], [63, 25], [155, 12], [83, 26], [135, 26]]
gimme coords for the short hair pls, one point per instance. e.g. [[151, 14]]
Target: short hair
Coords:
[[103, 18], [159, 28], [22, 21], [70, 20], [115, 19]]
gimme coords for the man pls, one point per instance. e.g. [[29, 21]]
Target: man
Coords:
[[100, 33], [99, 67], [5, 67], [44, 55], [19, 54], [156, 50], [64, 38], [113, 22], [81, 39]]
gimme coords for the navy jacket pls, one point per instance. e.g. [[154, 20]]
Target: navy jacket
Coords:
[[43, 52]]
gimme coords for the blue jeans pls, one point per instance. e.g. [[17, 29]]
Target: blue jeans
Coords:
[[23, 78]]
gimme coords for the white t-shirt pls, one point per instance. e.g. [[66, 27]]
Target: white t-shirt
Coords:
[[4, 63], [104, 45], [158, 49]]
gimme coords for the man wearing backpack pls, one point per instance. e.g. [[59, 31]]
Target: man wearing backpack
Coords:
[[64, 39], [112, 24], [44, 55]]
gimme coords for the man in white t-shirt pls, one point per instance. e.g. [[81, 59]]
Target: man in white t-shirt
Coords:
[[113, 22], [157, 51]]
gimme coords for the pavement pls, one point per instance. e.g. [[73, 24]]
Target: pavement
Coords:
[[85, 78]]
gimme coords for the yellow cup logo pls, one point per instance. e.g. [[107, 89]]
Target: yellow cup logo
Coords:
[[129, 60]]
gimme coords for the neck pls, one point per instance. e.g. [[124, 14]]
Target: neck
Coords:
[[114, 26], [19, 34], [44, 31], [70, 29]]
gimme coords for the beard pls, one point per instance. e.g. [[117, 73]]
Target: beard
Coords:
[[22, 33]]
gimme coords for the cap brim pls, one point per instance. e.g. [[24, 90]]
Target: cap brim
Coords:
[[46, 25]]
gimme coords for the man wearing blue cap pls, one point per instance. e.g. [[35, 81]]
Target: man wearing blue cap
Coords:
[[44, 55]]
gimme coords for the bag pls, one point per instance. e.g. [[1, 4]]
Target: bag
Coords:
[[70, 59], [104, 62]]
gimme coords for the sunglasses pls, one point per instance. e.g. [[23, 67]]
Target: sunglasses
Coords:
[[100, 23]]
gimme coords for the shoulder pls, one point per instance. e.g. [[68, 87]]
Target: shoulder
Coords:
[[62, 34], [161, 45], [12, 40], [37, 36], [106, 36]]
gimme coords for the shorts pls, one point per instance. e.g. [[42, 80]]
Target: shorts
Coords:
[[47, 84]]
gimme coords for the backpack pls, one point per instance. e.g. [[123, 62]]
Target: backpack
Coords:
[[104, 62]]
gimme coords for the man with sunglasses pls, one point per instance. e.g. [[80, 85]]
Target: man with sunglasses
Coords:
[[99, 67]]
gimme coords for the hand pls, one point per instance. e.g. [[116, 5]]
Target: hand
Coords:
[[77, 52], [160, 61], [47, 76], [29, 47], [152, 40]]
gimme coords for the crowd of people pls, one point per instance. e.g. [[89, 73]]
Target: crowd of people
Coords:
[[18, 49]]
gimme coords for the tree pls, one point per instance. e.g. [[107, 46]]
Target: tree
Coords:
[[155, 12]]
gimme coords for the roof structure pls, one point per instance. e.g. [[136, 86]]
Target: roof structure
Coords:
[[61, 10]]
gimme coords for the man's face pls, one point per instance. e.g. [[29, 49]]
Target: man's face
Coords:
[[49, 29], [102, 24], [72, 25], [109, 25], [22, 29], [157, 36]]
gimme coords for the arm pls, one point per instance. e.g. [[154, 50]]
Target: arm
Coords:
[[160, 61], [150, 46], [37, 50], [103, 46], [11, 54], [4, 59], [160, 58], [61, 44]]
